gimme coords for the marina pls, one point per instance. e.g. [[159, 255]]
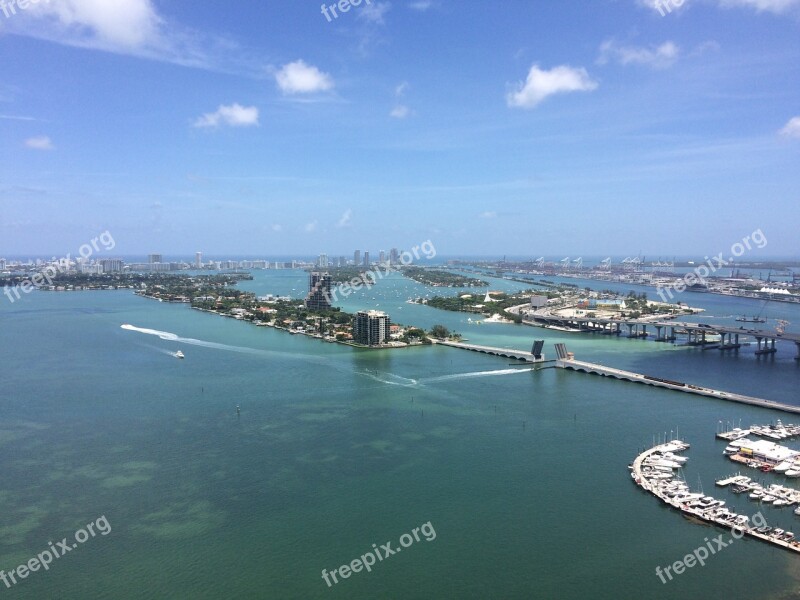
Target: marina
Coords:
[[779, 431], [653, 471]]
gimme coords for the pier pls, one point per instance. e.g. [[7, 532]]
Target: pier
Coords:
[[675, 494]]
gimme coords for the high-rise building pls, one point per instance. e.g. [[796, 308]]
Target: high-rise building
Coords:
[[371, 328], [154, 258], [382, 257], [319, 291], [198, 260], [394, 256], [322, 262], [357, 258], [2, 264], [111, 265], [366, 258]]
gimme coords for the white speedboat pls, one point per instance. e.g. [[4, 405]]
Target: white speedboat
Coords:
[[179, 354]]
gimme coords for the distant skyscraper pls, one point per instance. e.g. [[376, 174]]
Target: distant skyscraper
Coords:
[[357, 257], [382, 257], [323, 261], [111, 265], [198, 260], [371, 328], [154, 258], [319, 291], [394, 256], [366, 258]]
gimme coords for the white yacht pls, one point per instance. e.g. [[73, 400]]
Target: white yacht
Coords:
[[179, 354]]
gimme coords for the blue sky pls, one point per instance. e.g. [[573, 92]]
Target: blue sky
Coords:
[[520, 128]]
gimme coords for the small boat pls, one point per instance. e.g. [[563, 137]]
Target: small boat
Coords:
[[179, 354], [792, 472], [744, 319]]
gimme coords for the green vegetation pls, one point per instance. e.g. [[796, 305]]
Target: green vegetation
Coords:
[[414, 335], [436, 278], [440, 332], [164, 286]]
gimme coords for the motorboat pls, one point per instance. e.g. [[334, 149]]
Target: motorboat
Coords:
[[179, 354]]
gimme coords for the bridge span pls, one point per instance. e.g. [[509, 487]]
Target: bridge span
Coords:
[[667, 330]]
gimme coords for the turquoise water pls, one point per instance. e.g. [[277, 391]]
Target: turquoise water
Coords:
[[522, 475]]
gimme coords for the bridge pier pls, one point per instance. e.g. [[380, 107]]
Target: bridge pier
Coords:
[[769, 348], [733, 341], [798, 350]]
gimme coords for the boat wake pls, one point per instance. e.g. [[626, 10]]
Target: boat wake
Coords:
[[475, 374], [389, 378], [172, 337]]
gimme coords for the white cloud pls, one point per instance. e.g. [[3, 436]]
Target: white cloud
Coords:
[[665, 7], [792, 128], [540, 84], [489, 214], [129, 27], [374, 12], [311, 227], [345, 219], [122, 23], [421, 5], [659, 57], [41, 142], [234, 115], [773, 6], [400, 112], [299, 78]]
